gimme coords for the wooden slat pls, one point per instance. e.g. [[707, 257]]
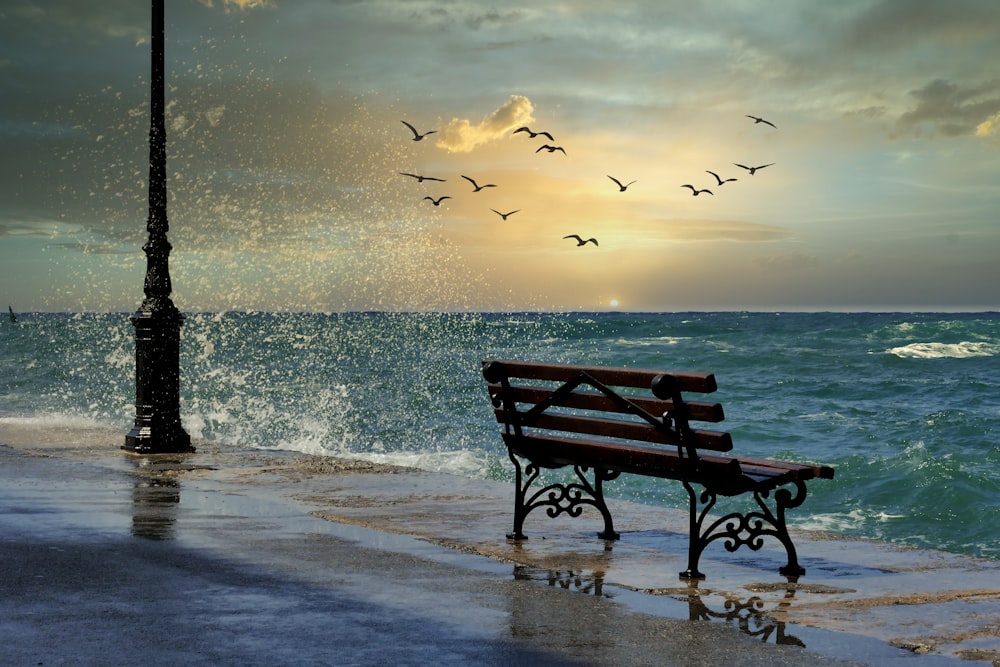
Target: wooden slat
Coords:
[[815, 470], [649, 460], [590, 400], [619, 428], [616, 377], [772, 468], [621, 456]]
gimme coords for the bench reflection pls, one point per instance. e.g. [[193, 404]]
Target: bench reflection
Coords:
[[749, 616], [753, 616]]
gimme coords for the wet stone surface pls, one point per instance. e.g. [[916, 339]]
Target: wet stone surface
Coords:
[[377, 530]]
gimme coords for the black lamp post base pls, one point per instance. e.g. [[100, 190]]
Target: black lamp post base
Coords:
[[142, 440], [157, 428]]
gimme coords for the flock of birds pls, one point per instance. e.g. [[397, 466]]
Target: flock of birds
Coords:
[[622, 186]]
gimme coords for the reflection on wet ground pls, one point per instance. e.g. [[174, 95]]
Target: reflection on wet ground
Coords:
[[157, 493], [752, 615], [152, 503], [928, 603], [855, 593]]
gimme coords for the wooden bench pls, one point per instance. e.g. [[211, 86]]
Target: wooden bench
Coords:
[[607, 421]]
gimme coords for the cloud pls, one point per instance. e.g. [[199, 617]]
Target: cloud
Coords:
[[795, 261], [989, 127], [886, 26], [461, 136], [953, 110], [722, 230]]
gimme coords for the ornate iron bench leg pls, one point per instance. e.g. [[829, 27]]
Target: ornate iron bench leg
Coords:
[[783, 499], [738, 529], [601, 476], [559, 498], [695, 542], [521, 486]]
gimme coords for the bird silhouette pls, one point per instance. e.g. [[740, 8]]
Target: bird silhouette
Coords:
[[504, 215], [551, 149], [621, 188], [421, 179], [758, 119], [416, 135], [721, 181], [752, 170], [580, 241], [533, 134], [697, 192], [477, 186], [437, 202]]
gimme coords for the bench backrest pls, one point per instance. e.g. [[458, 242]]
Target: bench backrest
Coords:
[[599, 402]]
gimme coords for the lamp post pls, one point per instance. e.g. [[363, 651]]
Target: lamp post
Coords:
[[157, 322]]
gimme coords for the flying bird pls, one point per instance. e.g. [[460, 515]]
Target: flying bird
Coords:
[[421, 179], [621, 188], [504, 215], [757, 119], [437, 202], [697, 192], [752, 170], [416, 135], [533, 134], [477, 186], [551, 149], [580, 241], [721, 181]]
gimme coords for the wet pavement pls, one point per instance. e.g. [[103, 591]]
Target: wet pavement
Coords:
[[254, 558]]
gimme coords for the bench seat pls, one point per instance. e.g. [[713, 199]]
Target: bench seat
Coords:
[[736, 474]]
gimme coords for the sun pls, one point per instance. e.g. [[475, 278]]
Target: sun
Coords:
[[613, 303]]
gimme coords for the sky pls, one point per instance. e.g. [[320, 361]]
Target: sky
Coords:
[[286, 154]]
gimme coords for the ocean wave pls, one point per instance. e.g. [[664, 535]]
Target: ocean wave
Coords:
[[56, 420], [651, 342], [844, 522], [463, 463], [963, 350]]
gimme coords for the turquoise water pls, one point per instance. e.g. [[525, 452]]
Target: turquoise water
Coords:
[[906, 406]]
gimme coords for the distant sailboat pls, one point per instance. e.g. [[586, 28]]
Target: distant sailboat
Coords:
[[13, 317]]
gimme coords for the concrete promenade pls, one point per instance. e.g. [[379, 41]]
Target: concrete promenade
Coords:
[[235, 557]]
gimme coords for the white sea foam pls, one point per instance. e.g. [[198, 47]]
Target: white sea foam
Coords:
[[463, 462], [514, 322], [844, 522], [656, 341], [61, 420], [963, 350]]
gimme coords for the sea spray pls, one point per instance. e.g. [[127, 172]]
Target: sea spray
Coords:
[[902, 404]]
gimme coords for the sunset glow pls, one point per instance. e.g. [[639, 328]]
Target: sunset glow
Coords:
[[286, 155]]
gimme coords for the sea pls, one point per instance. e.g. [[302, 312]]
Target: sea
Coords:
[[905, 406]]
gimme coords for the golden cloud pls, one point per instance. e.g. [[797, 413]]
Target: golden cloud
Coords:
[[461, 136], [989, 127]]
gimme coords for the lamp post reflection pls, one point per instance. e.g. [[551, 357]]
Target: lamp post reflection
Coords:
[[156, 495]]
